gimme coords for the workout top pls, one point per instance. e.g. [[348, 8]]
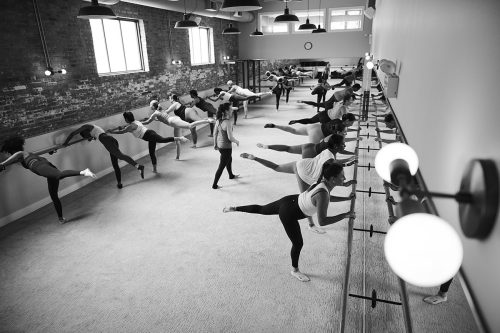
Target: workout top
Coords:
[[140, 130], [180, 111], [29, 161], [337, 112], [319, 147], [339, 95], [309, 169], [96, 131], [305, 200], [161, 116], [222, 137], [204, 105], [225, 96]]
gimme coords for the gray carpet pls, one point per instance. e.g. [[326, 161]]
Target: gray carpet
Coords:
[[160, 256]]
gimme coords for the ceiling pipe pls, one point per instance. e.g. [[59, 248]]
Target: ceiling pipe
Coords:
[[178, 6]]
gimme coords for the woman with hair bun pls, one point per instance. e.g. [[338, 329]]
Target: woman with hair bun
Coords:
[[292, 208], [42, 167]]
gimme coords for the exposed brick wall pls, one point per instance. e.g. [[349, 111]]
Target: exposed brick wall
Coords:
[[32, 104]]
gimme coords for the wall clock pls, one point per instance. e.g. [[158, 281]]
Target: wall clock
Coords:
[[308, 45]]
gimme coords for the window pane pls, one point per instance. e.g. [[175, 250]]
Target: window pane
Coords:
[[338, 12], [337, 25], [101, 56], [115, 46], [204, 46], [131, 45], [267, 24], [353, 12], [353, 25], [201, 46]]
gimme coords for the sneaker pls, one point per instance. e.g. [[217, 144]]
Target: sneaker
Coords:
[[62, 220], [247, 155], [228, 209], [215, 187], [300, 276], [234, 176], [270, 125], [260, 145], [141, 169], [88, 173], [317, 230]]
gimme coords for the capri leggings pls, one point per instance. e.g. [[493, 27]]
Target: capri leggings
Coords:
[[289, 212], [111, 145], [277, 90], [320, 117], [46, 169], [225, 162], [152, 138]]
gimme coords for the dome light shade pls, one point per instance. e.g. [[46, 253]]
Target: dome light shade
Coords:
[[231, 30], [240, 5], [392, 153], [319, 30], [95, 11], [286, 17], [307, 26], [185, 23], [423, 250], [256, 33]]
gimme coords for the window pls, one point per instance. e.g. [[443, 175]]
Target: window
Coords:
[[346, 19], [201, 44], [267, 25], [315, 18], [117, 46]]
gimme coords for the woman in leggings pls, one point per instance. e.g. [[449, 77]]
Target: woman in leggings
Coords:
[[223, 139], [334, 143], [329, 114], [279, 87], [292, 208], [94, 132], [40, 166], [235, 89], [306, 170], [189, 115], [204, 106], [141, 132], [176, 122]]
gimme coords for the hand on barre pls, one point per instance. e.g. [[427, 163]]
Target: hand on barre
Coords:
[[350, 182]]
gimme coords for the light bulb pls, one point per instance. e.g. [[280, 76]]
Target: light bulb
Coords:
[[391, 152], [423, 250], [369, 65], [48, 72], [367, 56], [63, 71]]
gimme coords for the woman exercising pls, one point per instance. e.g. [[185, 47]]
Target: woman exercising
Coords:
[[141, 132], [336, 97], [42, 167], [94, 132], [279, 87], [176, 122], [329, 114], [233, 99], [223, 139], [235, 89], [204, 106], [334, 143], [293, 208], [189, 115]]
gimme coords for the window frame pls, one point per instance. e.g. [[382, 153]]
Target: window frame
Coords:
[[211, 47], [139, 26], [311, 13], [329, 18], [274, 33]]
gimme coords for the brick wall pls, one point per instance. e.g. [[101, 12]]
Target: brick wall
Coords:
[[33, 104]]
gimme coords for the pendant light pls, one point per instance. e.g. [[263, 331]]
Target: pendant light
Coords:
[[319, 29], [186, 23], [95, 11], [240, 5], [256, 33], [230, 30], [307, 25], [286, 17]]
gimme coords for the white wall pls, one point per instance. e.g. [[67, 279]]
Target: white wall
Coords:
[[449, 52], [291, 46], [23, 192]]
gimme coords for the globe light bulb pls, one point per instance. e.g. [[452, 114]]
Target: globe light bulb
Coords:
[[392, 152], [423, 250], [369, 65]]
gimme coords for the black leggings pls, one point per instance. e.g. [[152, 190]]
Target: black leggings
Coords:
[[235, 100], [111, 145], [225, 162], [152, 137], [46, 169], [289, 212], [277, 90], [320, 117]]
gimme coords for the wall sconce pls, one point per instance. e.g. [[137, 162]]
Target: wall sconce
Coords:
[[421, 248], [177, 62], [50, 71]]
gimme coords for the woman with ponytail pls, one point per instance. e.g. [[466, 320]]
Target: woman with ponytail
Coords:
[[293, 208]]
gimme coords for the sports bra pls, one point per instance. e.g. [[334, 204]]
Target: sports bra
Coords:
[[181, 112], [305, 200], [140, 130]]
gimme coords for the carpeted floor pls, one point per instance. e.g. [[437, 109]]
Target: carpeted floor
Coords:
[[160, 256]]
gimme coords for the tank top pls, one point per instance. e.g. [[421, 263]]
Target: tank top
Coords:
[[96, 131], [181, 111], [222, 137], [140, 130], [309, 169], [162, 116], [305, 200], [30, 160]]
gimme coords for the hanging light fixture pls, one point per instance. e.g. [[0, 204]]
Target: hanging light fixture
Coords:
[[240, 5], [307, 25], [186, 23], [256, 33], [319, 30], [95, 11], [286, 17], [230, 30]]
